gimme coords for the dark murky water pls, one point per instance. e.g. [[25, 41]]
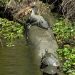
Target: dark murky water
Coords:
[[18, 60]]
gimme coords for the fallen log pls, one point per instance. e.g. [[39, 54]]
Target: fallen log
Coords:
[[42, 40]]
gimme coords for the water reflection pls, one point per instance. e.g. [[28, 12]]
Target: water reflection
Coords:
[[18, 60]]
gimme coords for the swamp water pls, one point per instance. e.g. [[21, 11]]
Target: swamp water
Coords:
[[18, 60]]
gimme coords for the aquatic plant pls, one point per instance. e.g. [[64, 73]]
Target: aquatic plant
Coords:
[[64, 32], [10, 31]]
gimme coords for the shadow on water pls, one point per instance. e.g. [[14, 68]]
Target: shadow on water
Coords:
[[18, 60]]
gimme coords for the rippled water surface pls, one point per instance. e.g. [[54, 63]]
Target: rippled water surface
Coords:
[[18, 60]]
